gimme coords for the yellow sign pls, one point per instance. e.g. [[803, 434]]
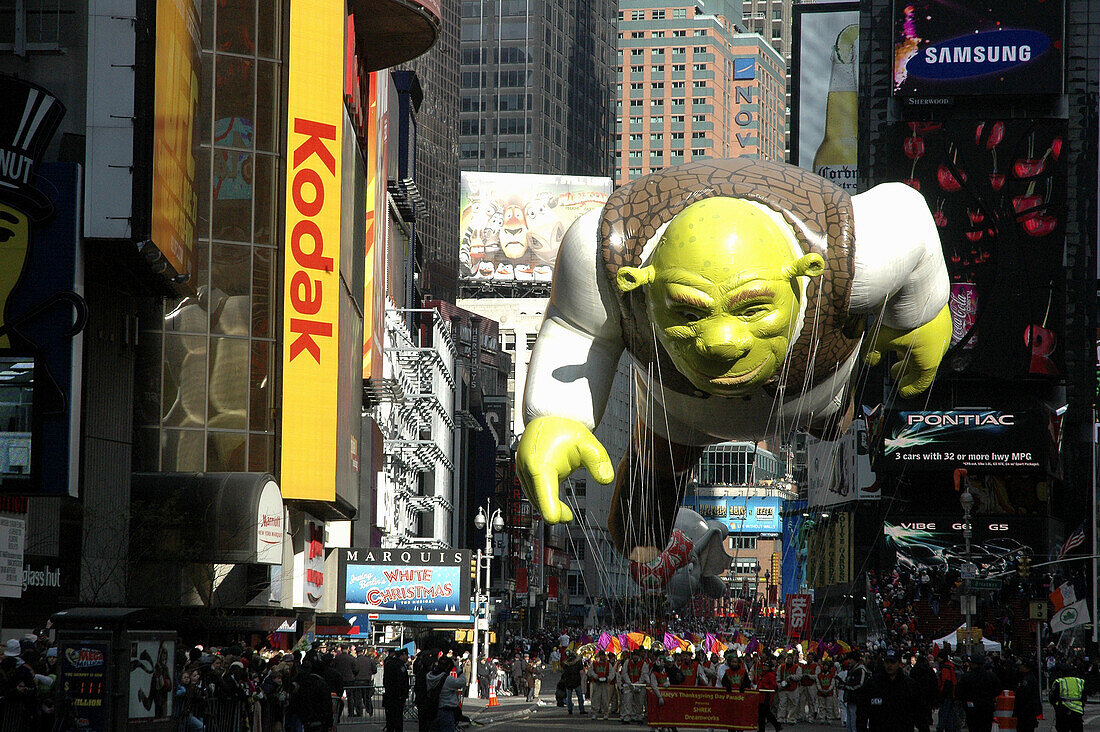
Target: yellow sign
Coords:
[[175, 108], [315, 110]]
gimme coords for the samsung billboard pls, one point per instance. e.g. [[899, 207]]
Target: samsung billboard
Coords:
[[977, 47], [742, 514], [432, 583]]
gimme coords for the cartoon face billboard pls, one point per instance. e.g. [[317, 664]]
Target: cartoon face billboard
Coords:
[[513, 223]]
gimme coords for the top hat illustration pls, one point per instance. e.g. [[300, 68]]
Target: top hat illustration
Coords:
[[29, 116]]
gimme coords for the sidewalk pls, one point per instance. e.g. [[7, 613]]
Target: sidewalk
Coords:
[[510, 708]]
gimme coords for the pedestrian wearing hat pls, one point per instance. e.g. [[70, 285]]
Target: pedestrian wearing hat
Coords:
[[1028, 705], [572, 673], [890, 697], [979, 688], [947, 679]]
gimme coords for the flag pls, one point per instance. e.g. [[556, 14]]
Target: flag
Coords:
[[670, 643], [624, 644], [708, 642], [604, 641], [614, 646], [1076, 539], [1070, 616], [1063, 596]]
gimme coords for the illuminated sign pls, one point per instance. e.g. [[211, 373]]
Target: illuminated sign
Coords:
[[977, 47], [315, 109], [175, 109], [963, 438], [395, 581], [742, 514]]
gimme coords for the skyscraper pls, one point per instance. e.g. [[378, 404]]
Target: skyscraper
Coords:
[[537, 86], [437, 160], [693, 86]]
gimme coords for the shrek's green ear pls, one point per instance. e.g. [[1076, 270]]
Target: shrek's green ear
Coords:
[[631, 278], [809, 265]]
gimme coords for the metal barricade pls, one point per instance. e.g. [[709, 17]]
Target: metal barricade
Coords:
[[16, 716]]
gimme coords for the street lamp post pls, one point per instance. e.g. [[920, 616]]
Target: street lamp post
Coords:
[[493, 523], [967, 502]]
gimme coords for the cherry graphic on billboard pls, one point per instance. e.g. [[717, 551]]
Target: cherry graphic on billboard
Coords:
[[996, 190]]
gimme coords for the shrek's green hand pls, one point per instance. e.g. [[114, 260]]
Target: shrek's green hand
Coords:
[[919, 352], [551, 448]]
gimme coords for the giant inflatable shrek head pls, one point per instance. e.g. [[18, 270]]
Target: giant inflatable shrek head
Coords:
[[722, 289]]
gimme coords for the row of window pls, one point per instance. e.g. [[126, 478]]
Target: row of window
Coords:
[[697, 33], [653, 14], [660, 52], [660, 68], [658, 85], [660, 136], [655, 103], [499, 126]]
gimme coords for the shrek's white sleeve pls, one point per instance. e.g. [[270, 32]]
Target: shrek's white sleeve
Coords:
[[899, 267], [579, 345]]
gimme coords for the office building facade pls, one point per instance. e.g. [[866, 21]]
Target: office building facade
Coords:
[[692, 86]]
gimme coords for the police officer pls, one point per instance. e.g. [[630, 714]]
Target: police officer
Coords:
[[890, 697], [1067, 694]]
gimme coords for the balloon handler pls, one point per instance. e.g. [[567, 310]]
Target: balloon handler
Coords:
[[741, 289]]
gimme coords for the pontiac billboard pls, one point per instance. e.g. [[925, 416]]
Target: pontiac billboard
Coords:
[[990, 439], [428, 582]]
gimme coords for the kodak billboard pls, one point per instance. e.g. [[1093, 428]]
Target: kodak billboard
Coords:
[[311, 278]]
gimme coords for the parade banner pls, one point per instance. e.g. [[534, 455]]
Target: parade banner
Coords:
[[704, 707]]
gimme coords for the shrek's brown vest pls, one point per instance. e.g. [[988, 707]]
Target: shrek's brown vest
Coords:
[[817, 211]]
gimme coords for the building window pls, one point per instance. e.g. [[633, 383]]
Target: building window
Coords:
[[637, 34], [659, 69], [677, 135], [698, 67], [679, 67], [654, 52], [510, 341], [531, 338], [743, 542], [633, 172], [657, 85], [679, 33], [654, 103], [698, 118], [656, 137], [635, 52], [678, 117], [658, 14], [658, 34], [679, 13], [694, 85], [637, 15], [699, 33], [637, 69], [700, 49], [679, 84], [698, 135], [679, 49], [655, 120], [637, 86], [635, 154]]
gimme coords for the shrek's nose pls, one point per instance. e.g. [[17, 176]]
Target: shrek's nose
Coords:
[[725, 342]]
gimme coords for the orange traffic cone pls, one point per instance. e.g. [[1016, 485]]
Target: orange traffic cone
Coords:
[[493, 696]]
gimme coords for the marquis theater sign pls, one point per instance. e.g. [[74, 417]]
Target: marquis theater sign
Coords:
[[977, 47], [394, 581], [315, 111]]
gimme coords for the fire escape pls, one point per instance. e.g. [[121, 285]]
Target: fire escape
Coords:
[[419, 431]]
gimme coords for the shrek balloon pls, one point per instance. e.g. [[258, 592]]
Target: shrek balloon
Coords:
[[745, 292]]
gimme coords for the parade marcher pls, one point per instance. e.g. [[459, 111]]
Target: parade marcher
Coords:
[[635, 677], [601, 676], [790, 680], [890, 697], [766, 685], [395, 688], [694, 674], [735, 677], [614, 697], [572, 678], [1067, 694], [1028, 705], [978, 689], [828, 701], [806, 700]]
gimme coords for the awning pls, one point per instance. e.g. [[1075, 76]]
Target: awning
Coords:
[[390, 32], [216, 518]]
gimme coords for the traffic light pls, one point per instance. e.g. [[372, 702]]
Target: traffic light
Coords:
[[1023, 566], [473, 569]]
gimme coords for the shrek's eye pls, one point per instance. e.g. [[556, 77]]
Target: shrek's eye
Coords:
[[689, 315], [753, 311]]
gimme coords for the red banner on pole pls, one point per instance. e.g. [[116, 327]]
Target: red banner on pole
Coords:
[[703, 706], [798, 616]]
